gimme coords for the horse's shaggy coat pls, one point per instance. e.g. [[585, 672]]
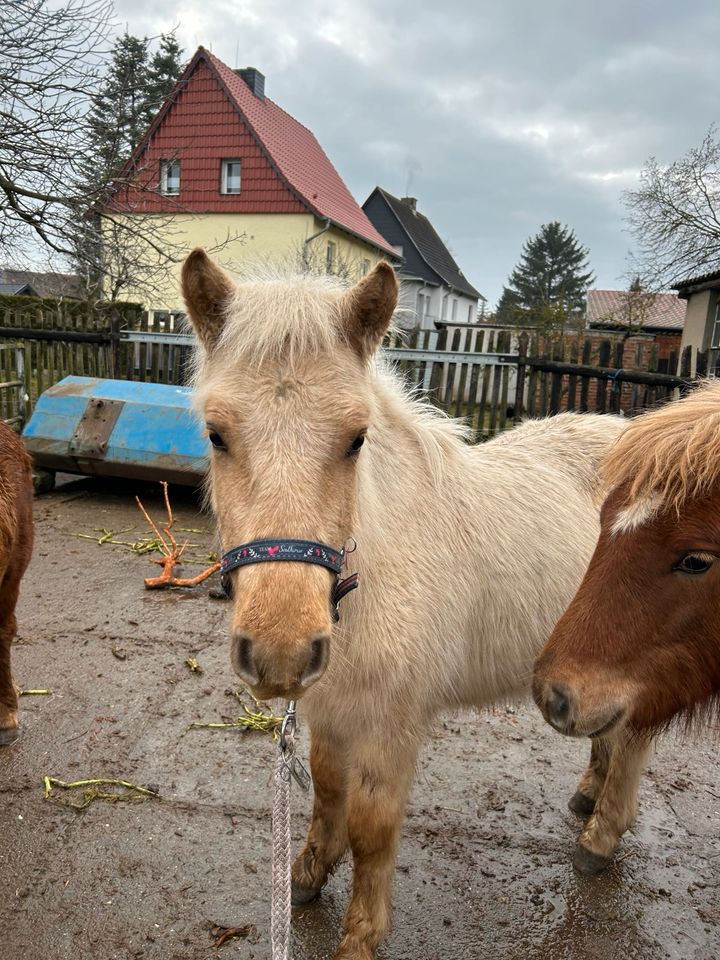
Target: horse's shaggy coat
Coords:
[[467, 554]]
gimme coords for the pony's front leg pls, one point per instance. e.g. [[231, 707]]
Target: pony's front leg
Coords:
[[616, 804], [327, 838], [380, 779], [591, 783], [9, 728]]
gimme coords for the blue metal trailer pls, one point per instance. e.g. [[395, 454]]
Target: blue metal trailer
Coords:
[[117, 428]]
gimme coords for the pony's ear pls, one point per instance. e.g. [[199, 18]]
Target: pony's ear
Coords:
[[368, 308], [206, 289]]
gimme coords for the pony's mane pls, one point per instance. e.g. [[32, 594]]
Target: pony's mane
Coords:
[[670, 455], [276, 311]]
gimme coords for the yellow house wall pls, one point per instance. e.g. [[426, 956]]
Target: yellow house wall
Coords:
[[243, 239]]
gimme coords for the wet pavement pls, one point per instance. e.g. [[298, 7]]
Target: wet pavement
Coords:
[[484, 866]]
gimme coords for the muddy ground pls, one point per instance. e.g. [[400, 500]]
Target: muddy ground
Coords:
[[484, 866]]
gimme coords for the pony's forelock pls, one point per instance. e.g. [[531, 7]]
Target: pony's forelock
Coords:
[[670, 455]]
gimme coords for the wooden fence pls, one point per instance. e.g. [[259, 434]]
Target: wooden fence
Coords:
[[560, 376], [490, 378], [12, 384]]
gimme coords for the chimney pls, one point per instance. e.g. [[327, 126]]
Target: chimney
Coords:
[[410, 202], [254, 79]]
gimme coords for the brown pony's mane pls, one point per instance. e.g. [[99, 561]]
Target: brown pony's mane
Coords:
[[670, 455]]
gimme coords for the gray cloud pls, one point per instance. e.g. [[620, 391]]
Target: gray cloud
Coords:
[[500, 117]]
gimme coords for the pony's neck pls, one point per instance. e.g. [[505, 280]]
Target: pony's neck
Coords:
[[413, 460]]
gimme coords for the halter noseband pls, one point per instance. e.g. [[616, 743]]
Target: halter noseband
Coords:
[[301, 551]]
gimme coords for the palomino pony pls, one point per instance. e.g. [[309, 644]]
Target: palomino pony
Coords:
[[640, 642], [16, 537], [467, 555]]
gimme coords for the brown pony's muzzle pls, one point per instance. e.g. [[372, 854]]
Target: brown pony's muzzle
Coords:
[[581, 707]]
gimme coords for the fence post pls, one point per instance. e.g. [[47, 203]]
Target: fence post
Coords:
[[523, 340], [20, 373], [556, 379], [603, 361]]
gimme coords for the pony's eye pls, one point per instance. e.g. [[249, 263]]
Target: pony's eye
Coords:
[[697, 562], [216, 440], [354, 447]]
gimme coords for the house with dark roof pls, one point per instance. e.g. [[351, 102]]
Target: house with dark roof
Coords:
[[33, 283], [435, 290], [702, 324], [223, 166]]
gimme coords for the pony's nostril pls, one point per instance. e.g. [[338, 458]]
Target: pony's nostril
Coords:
[[244, 660], [319, 649], [558, 707]]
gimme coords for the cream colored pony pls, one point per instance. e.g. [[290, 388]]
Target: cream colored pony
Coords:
[[467, 554]]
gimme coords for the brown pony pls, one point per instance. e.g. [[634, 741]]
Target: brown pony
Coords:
[[640, 643], [16, 538]]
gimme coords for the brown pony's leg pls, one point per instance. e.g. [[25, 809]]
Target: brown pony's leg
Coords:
[[8, 694], [591, 783], [327, 838], [380, 780], [616, 804]]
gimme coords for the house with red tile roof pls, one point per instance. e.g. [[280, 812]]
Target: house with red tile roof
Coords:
[[649, 322], [222, 165]]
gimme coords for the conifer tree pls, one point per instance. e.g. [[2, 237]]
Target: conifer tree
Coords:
[[548, 286], [163, 71]]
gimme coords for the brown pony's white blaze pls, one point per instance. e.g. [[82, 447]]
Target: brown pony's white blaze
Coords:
[[640, 642], [292, 469], [467, 554]]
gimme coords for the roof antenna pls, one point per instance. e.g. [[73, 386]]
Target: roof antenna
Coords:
[[237, 52]]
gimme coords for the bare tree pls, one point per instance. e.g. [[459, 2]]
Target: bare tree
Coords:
[[674, 215], [51, 60], [54, 59]]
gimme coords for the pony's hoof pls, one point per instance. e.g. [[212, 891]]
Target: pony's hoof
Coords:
[[9, 735], [581, 804], [302, 895], [587, 863]]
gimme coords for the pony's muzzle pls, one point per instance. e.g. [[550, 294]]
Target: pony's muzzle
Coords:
[[286, 672]]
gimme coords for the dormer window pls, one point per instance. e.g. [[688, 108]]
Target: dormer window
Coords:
[[230, 176], [170, 177]]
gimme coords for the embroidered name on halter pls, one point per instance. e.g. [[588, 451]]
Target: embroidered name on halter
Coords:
[[302, 551]]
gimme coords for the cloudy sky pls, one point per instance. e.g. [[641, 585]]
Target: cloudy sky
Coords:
[[498, 116]]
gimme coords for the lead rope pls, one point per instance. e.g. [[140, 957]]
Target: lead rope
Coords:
[[280, 903], [287, 767]]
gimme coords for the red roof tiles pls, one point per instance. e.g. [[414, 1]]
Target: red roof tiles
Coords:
[[613, 308], [212, 115]]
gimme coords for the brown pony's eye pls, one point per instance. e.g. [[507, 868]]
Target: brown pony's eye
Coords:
[[216, 440], [696, 562], [354, 447]]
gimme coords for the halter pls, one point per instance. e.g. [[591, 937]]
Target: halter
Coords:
[[301, 551]]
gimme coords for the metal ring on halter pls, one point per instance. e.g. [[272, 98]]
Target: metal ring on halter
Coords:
[[289, 725]]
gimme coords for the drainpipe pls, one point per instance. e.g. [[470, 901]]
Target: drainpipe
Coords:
[[319, 233]]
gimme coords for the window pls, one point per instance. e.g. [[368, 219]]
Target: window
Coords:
[[230, 177], [470, 313], [454, 311], [170, 176], [364, 268], [330, 257]]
